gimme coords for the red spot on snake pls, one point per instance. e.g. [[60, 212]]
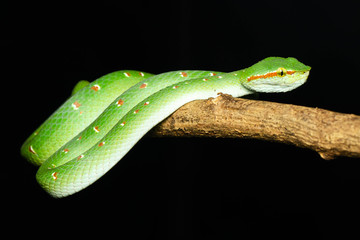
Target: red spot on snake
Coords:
[[290, 72], [96, 129], [175, 87], [212, 74], [123, 123], [79, 138], [183, 74], [66, 150], [127, 74], [205, 79], [101, 144], [31, 150], [146, 103], [120, 102], [95, 88], [136, 111], [80, 157], [141, 74], [263, 76], [54, 175], [76, 105], [144, 85]]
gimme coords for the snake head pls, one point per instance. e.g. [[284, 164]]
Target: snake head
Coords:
[[275, 74]]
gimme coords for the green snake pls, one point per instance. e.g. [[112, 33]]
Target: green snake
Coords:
[[87, 135]]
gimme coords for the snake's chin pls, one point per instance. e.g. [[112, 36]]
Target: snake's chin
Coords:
[[290, 86]]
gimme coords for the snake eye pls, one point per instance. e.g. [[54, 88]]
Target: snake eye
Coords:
[[281, 72]]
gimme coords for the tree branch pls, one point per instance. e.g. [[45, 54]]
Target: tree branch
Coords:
[[331, 134]]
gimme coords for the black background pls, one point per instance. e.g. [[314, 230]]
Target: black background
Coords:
[[183, 188]]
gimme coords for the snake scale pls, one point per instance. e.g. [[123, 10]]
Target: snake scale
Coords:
[[87, 135]]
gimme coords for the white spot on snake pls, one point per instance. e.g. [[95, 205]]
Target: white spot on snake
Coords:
[[175, 87], [95, 87], [31, 149], [96, 129], [212, 74], [66, 150], [123, 123], [54, 175], [80, 157], [141, 74], [219, 77], [76, 105], [205, 79], [127, 74], [52, 166], [146, 103]]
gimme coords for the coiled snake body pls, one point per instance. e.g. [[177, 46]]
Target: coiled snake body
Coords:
[[103, 120]]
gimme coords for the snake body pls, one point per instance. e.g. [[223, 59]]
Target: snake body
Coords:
[[103, 120]]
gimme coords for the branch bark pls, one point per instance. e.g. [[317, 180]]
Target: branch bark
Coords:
[[331, 134]]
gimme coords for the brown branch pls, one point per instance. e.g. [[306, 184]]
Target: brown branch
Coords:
[[331, 134]]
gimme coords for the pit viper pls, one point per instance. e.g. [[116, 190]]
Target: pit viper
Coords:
[[91, 131]]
